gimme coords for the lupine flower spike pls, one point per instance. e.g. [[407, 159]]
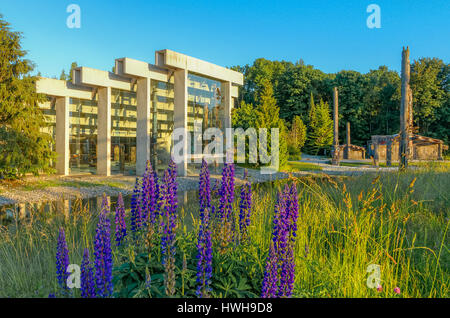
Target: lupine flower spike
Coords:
[[87, 277], [121, 227], [204, 245], [103, 255], [62, 260]]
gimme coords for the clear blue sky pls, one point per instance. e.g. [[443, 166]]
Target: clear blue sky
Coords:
[[331, 35]]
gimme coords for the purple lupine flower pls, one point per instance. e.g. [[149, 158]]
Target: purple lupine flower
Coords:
[[292, 218], [87, 277], [204, 192], [283, 240], [121, 227], [168, 227], [204, 244], [245, 207], [150, 195], [62, 260], [225, 214], [270, 281], [135, 207], [51, 295], [102, 251]]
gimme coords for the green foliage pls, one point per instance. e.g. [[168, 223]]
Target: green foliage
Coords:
[[296, 138], [431, 97], [320, 134], [370, 102], [264, 115], [23, 147], [341, 230]]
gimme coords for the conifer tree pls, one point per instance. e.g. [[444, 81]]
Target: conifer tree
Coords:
[[23, 146]]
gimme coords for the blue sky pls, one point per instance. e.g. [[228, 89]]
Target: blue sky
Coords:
[[331, 35]]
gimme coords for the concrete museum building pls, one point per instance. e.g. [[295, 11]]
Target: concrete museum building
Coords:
[[111, 123]]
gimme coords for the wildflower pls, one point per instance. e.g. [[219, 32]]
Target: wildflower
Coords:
[[168, 227], [279, 274], [102, 251], [51, 295], [204, 256], [87, 277], [136, 216], [204, 187], [150, 195], [397, 290], [379, 288], [270, 281], [62, 260], [245, 207], [225, 214], [121, 227]]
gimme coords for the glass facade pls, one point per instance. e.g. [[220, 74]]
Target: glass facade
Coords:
[[83, 136], [123, 132], [161, 127], [205, 104]]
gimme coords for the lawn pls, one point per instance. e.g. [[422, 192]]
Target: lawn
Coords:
[[397, 221], [296, 166]]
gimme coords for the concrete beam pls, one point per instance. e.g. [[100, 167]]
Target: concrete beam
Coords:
[[104, 132], [134, 68], [177, 61], [62, 135], [58, 88], [97, 78]]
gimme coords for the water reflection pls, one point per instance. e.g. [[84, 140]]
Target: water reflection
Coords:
[[23, 211]]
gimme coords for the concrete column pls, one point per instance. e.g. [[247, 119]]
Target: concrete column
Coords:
[[389, 153], [104, 132], [228, 106], [180, 114], [62, 135], [143, 125]]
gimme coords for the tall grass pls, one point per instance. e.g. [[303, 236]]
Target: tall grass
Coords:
[[398, 221]]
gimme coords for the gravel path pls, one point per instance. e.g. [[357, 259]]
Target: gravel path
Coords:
[[93, 186]]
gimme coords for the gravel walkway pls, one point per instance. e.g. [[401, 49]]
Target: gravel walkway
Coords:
[[87, 186]]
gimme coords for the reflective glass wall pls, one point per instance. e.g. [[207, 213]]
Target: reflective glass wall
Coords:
[[83, 136], [161, 127], [205, 104], [123, 132]]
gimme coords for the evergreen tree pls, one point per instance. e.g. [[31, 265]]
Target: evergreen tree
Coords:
[[268, 116], [320, 137], [23, 146], [296, 138]]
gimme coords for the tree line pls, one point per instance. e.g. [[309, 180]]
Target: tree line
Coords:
[[370, 101]]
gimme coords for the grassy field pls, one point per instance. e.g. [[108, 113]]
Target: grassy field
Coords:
[[398, 221], [295, 166]]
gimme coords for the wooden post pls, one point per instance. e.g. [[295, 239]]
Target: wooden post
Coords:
[[404, 110], [347, 146], [335, 155], [440, 151], [376, 153], [389, 153]]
